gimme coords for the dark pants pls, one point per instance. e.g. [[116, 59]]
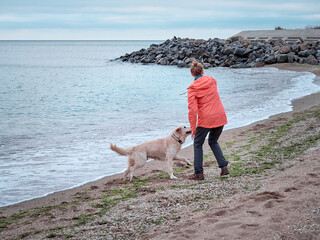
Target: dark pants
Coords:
[[201, 134]]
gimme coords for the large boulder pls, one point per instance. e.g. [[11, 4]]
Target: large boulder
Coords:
[[227, 51], [163, 61], [285, 49], [311, 60], [270, 60], [303, 47], [239, 52], [292, 57], [304, 53], [181, 64], [282, 58], [146, 60]]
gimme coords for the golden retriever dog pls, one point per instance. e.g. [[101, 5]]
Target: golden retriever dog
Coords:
[[164, 149]]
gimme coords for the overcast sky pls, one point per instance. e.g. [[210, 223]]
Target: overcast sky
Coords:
[[148, 19]]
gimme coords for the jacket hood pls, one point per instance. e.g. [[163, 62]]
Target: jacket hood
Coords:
[[202, 86]]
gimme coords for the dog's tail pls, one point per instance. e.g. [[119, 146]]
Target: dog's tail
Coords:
[[118, 150]]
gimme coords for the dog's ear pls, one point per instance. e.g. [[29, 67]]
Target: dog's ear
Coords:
[[178, 130]]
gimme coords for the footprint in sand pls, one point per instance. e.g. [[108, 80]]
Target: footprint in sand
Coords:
[[314, 175], [254, 213], [189, 231], [264, 196], [227, 225], [220, 213], [289, 189], [269, 204], [212, 220], [249, 225], [183, 235], [308, 183]]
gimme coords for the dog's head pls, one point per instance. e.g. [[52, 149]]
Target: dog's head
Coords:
[[182, 132]]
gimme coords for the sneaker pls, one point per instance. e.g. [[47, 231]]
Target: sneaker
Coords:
[[199, 176], [224, 172]]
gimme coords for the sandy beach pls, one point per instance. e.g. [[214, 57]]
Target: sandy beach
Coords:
[[272, 191]]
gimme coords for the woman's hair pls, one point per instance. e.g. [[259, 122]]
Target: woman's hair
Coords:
[[196, 68]]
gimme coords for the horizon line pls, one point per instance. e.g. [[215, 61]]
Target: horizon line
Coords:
[[82, 40]]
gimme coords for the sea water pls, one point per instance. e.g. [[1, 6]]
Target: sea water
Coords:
[[63, 102]]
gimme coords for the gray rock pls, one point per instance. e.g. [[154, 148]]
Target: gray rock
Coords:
[[188, 53], [313, 52], [174, 62], [292, 57], [188, 60], [282, 58], [163, 61], [207, 65], [145, 60], [295, 48], [311, 60], [159, 56], [270, 60], [228, 51], [239, 52], [181, 64], [304, 53]]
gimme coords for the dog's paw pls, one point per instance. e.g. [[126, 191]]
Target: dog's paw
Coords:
[[189, 163]]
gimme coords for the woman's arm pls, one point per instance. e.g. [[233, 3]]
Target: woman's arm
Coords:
[[193, 111]]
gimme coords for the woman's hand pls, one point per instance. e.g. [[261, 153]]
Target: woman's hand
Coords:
[[192, 135]]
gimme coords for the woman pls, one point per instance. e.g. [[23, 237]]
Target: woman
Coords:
[[206, 115]]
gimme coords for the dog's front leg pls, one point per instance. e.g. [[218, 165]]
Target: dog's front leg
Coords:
[[180, 158], [169, 161]]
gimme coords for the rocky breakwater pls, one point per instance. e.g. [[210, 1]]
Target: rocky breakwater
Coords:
[[234, 52]]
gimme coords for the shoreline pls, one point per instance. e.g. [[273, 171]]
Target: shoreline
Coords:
[[152, 168], [283, 66], [299, 104]]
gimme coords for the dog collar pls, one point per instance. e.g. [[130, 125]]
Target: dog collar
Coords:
[[176, 138]]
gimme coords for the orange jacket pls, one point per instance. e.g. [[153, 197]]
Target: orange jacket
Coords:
[[204, 104]]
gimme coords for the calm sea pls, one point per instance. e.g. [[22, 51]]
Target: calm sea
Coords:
[[63, 102]]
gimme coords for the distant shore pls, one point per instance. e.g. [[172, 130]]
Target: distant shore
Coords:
[[153, 206]]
